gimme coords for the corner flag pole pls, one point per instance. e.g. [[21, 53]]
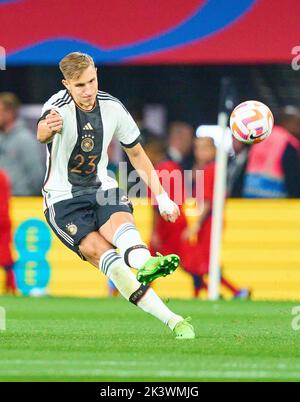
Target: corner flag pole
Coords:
[[226, 105]]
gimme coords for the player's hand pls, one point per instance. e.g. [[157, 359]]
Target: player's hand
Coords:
[[54, 121], [168, 210], [170, 217]]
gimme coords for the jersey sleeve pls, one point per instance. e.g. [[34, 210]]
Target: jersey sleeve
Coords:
[[127, 131], [54, 103]]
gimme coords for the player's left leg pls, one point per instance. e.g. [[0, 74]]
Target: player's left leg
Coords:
[[113, 266], [120, 230]]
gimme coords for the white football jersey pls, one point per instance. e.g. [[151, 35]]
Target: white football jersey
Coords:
[[77, 157]]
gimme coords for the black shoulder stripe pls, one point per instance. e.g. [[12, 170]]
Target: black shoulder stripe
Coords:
[[111, 98], [64, 102], [108, 96], [60, 99], [103, 93], [48, 111]]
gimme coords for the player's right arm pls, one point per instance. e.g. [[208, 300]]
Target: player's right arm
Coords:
[[128, 134], [49, 126]]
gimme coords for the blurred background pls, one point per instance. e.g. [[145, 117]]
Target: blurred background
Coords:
[[165, 60]]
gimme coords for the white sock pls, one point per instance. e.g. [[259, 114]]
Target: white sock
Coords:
[[153, 305], [126, 239], [113, 266]]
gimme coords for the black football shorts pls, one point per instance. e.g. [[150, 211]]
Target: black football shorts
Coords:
[[71, 220]]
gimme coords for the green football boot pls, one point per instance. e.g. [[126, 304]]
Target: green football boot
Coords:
[[158, 266], [184, 329]]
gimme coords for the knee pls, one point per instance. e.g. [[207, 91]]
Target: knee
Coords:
[[120, 218], [91, 252], [92, 247]]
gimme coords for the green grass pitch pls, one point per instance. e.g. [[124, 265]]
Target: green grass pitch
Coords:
[[69, 339]]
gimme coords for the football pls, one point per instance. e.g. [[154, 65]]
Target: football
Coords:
[[251, 122]]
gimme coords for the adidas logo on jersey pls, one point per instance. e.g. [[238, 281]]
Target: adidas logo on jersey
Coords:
[[88, 126]]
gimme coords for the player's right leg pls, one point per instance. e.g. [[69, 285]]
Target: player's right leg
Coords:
[[121, 231], [116, 224]]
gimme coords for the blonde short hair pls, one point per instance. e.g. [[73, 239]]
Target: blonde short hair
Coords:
[[73, 65]]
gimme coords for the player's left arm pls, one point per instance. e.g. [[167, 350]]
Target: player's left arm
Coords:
[[142, 164]]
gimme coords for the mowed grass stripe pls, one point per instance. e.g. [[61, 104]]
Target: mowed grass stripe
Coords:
[[230, 366], [155, 374], [225, 371], [93, 339]]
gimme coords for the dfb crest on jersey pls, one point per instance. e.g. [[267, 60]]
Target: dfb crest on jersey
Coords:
[[87, 143]]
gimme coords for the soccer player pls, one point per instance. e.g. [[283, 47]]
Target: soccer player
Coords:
[[84, 206]]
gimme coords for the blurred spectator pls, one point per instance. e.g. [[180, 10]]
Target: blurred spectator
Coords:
[[273, 168], [237, 165], [196, 239], [6, 260], [166, 236], [19, 152], [137, 113], [180, 146]]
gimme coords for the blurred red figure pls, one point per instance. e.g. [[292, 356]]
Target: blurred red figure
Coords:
[[166, 236], [196, 256], [6, 260]]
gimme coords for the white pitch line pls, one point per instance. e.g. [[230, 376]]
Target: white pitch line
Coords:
[[224, 366], [68, 362], [155, 374], [252, 366]]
